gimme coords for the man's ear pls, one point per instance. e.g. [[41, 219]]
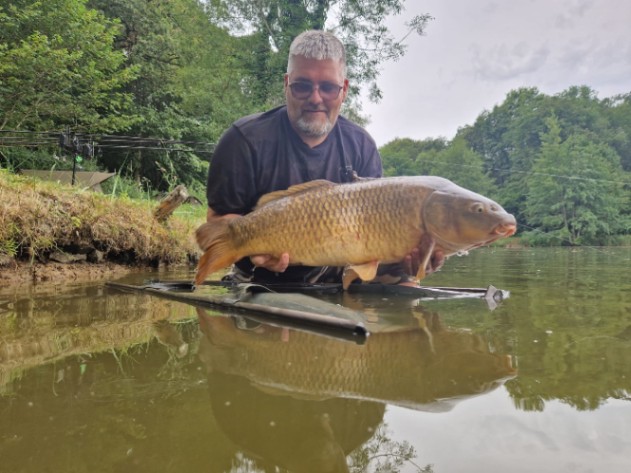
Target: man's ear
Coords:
[[345, 89]]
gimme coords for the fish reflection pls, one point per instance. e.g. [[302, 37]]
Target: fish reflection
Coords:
[[304, 401], [300, 435]]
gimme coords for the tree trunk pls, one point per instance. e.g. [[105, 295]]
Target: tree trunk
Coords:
[[171, 202]]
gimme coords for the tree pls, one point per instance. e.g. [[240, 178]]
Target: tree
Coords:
[[273, 24], [508, 139], [157, 42], [203, 64], [400, 156], [619, 115], [460, 164], [58, 68], [574, 193]]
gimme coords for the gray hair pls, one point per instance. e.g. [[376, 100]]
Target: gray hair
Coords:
[[317, 44]]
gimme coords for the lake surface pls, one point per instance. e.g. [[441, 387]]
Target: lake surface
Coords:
[[94, 379]]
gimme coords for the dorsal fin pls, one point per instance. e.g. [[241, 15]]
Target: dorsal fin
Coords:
[[293, 190]]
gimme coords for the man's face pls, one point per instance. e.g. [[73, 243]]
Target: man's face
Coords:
[[313, 117]]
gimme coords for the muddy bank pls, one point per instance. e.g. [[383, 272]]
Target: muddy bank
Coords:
[[53, 232], [20, 273]]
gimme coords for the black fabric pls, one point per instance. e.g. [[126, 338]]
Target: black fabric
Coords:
[[262, 153]]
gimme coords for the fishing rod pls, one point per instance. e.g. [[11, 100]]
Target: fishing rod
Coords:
[[529, 173]]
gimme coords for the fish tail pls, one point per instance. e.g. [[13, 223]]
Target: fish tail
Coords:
[[219, 250]]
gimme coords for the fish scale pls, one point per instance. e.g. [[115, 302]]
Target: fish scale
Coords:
[[351, 224]]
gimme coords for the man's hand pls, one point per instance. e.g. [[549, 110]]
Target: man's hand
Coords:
[[271, 263]]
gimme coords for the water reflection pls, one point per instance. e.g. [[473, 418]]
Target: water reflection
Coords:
[[413, 367], [92, 378], [51, 324], [95, 363], [305, 402], [296, 434]]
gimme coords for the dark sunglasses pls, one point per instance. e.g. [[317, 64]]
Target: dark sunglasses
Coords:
[[302, 90]]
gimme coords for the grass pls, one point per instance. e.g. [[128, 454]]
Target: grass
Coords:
[[39, 217]]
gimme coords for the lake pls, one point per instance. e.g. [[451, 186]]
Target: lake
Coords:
[[95, 379]]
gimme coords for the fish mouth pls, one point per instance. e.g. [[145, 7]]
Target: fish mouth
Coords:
[[504, 230]]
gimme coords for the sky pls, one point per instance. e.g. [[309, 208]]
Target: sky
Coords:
[[475, 52]]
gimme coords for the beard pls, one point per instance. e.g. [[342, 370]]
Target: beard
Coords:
[[314, 129]]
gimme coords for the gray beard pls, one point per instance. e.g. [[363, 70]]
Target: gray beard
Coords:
[[313, 129]]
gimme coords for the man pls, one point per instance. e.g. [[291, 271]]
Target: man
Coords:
[[305, 139]]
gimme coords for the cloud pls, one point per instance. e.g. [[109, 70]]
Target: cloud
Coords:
[[575, 11], [598, 63], [476, 52], [505, 62]]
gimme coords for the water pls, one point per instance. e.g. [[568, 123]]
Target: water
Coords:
[[96, 379]]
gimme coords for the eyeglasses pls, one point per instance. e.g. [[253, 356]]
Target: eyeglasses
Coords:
[[302, 90]]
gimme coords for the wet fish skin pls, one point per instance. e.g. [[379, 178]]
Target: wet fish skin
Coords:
[[358, 225]]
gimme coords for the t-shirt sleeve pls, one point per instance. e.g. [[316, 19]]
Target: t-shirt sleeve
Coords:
[[231, 186]]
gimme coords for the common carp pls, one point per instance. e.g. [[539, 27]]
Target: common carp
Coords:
[[357, 225]]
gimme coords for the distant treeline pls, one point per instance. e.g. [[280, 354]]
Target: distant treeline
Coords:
[[561, 164], [149, 86]]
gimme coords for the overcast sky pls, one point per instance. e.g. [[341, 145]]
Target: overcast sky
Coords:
[[476, 51]]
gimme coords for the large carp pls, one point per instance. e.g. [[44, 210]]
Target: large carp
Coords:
[[357, 225]]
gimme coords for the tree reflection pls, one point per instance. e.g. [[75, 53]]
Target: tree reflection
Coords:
[[572, 364], [382, 454]]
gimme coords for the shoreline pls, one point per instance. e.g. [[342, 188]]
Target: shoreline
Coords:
[[19, 273]]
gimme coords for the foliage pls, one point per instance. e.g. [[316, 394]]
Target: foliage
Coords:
[[401, 156], [272, 24], [619, 132], [178, 70], [52, 76], [150, 40], [382, 454], [574, 192], [460, 164]]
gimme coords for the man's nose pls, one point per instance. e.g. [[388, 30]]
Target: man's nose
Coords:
[[315, 96]]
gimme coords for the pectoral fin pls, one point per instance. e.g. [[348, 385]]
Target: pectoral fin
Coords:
[[425, 252], [365, 272]]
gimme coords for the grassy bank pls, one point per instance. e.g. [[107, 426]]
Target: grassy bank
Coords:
[[39, 219]]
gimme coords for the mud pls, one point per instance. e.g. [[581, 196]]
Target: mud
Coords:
[[18, 273]]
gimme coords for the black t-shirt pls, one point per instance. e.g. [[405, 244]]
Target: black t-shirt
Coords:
[[262, 153]]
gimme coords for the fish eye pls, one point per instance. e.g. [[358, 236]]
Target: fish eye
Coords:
[[477, 207]]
